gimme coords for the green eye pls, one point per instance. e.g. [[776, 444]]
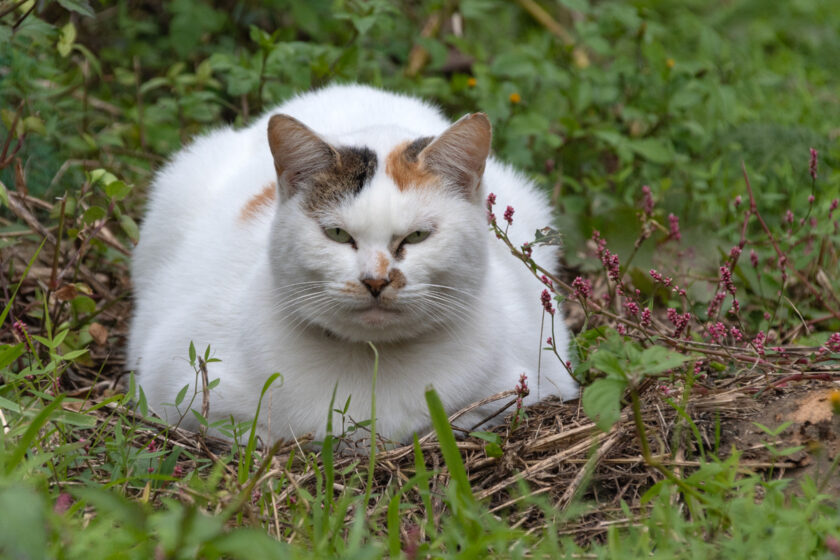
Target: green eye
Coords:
[[416, 237], [338, 235]]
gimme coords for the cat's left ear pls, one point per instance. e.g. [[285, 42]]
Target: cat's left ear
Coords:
[[298, 152], [460, 153]]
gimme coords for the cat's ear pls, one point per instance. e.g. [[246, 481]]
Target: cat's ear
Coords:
[[459, 154], [298, 152]]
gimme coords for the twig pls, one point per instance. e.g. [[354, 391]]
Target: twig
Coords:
[[545, 19]]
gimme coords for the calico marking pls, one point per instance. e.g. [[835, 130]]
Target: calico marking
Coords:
[[261, 201], [381, 264], [403, 165], [353, 170]]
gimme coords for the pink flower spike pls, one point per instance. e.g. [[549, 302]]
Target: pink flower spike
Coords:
[[509, 215], [582, 287], [545, 299], [753, 258], [833, 207], [811, 199], [833, 342], [674, 226], [812, 166], [63, 503], [549, 341], [647, 201], [491, 200], [738, 201], [527, 249]]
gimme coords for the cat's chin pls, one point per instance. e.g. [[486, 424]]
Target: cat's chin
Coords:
[[374, 324]]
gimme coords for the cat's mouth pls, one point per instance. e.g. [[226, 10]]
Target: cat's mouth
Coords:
[[376, 314]]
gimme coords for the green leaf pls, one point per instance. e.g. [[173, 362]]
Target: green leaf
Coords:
[[129, 226], [117, 190], [608, 362], [653, 149], [66, 38], [179, 398], [493, 448], [78, 6], [602, 402], [657, 359], [9, 353], [23, 530], [93, 214]]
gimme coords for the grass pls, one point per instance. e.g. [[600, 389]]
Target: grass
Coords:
[[705, 304]]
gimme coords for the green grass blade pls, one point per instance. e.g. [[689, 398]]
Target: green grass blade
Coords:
[[449, 449], [327, 453], [245, 465], [31, 432], [372, 460], [8, 306]]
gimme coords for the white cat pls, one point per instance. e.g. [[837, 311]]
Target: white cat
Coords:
[[361, 217]]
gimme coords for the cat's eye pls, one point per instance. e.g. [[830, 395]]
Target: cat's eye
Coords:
[[338, 235], [416, 237]]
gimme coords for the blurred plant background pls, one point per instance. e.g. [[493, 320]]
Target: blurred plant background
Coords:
[[592, 99]]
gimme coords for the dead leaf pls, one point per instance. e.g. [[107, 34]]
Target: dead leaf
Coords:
[[66, 292], [99, 333]]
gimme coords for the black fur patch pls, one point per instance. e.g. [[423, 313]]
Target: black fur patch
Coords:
[[353, 169], [413, 150]]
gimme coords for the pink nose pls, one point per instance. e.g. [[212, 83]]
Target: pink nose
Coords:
[[375, 285]]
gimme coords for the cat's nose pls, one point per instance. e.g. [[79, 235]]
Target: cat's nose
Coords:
[[375, 285]]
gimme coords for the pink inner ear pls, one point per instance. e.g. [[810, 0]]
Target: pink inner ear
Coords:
[[297, 150], [460, 153]]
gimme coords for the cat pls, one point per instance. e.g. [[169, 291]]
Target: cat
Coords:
[[346, 215]]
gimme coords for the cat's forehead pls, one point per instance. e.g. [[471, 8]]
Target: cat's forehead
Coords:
[[376, 170]]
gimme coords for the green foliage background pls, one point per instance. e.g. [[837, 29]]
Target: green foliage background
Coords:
[[673, 94]]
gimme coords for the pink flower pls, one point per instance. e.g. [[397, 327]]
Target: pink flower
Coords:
[[833, 207], [647, 201], [63, 503], [674, 226], [522, 387], [737, 201], [545, 299], [680, 321], [583, 288], [758, 342], [646, 320], [753, 258], [812, 166], [527, 250], [509, 215], [833, 342]]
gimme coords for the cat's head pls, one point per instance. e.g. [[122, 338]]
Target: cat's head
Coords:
[[379, 236]]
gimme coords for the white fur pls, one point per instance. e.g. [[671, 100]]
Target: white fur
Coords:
[[202, 274]]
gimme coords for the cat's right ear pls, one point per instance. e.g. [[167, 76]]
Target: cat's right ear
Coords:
[[298, 152]]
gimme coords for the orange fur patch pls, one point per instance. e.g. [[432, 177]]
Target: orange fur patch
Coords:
[[259, 202], [406, 171], [381, 265]]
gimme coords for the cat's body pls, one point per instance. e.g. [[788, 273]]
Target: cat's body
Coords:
[[229, 259]]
